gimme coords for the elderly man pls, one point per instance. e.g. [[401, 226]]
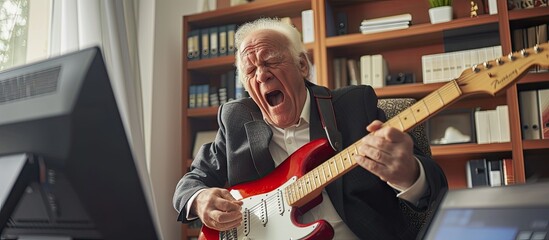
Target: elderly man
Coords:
[[257, 134]]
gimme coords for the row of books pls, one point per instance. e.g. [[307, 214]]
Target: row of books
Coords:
[[388, 23], [343, 68], [205, 95], [371, 70], [494, 173], [534, 113], [528, 37], [492, 126], [523, 4], [211, 42], [442, 67]]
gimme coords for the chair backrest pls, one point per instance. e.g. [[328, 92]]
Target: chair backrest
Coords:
[[393, 106]]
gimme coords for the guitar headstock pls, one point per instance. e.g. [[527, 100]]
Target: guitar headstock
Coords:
[[493, 76]]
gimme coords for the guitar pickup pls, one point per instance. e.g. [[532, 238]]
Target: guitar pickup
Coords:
[[246, 221], [263, 212], [280, 202]]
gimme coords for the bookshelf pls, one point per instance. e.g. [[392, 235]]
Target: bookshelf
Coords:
[[420, 39]]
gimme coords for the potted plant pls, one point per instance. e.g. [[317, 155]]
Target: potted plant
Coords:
[[440, 11]]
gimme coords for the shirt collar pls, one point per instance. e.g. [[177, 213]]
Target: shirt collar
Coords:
[[306, 112]]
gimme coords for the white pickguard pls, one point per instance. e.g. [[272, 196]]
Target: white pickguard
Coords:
[[267, 216]]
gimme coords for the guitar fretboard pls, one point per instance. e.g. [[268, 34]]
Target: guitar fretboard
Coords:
[[310, 184]]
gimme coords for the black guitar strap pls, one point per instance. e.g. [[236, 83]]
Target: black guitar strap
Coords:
[[323, 98]]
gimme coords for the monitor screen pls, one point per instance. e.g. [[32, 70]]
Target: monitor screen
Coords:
[[517, 212], [68, 165]]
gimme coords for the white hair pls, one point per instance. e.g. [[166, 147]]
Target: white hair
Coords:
[[296, 47]]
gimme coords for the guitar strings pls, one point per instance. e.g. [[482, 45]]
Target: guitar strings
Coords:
[[448, 92], [435, 99], [307, 182], [253, 218]]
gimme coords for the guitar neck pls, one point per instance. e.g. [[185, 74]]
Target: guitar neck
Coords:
[[426, 107], [309, 185]]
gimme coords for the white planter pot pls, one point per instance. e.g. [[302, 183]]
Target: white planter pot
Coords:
[[440, 14]]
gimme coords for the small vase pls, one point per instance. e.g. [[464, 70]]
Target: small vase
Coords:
[[440, 14]]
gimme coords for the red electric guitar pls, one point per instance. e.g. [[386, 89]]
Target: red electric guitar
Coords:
[[269, 210]]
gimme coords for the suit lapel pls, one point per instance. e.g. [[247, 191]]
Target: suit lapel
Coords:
[[256, 131]]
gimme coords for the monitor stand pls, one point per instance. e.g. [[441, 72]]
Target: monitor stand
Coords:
[[16, 171]]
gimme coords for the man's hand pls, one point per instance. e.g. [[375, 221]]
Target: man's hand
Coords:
[[217, 209], [388, 153]]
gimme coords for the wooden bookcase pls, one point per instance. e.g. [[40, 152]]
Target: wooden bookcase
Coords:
[[401, 48]]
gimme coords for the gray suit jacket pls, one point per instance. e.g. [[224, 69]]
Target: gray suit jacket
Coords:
[[240, 154]]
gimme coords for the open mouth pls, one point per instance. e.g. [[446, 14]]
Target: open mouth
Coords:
[[275, 98]]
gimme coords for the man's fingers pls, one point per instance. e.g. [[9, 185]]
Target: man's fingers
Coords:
[[374, 147], [223, 221], [374, 154], [218, 209], [227, 202], [224, 193], [373, 126], [227, 205], [226, 217], [372, 166]]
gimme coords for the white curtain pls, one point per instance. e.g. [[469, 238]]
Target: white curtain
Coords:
[[111, 25]]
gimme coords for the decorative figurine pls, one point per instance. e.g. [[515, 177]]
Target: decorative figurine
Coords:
[[474, 8]]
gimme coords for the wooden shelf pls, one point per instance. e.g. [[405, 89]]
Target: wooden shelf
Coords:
[[414, 90], [416, 35], [470, 150], [248, 12], [540, 144], [535, 78], [202, 112], [220, 64], [529, 14], [188, 162], [212, 64], [193, 232]]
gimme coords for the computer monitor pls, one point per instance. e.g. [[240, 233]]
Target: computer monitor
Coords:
[[517, 212], [66, 165]]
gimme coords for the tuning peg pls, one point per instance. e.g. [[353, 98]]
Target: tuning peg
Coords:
[[487, 65], [537, 49], [524, 53], [511, 57], [499, 61], [475, 68]]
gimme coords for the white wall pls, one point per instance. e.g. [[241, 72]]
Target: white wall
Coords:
[[160, 35]]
